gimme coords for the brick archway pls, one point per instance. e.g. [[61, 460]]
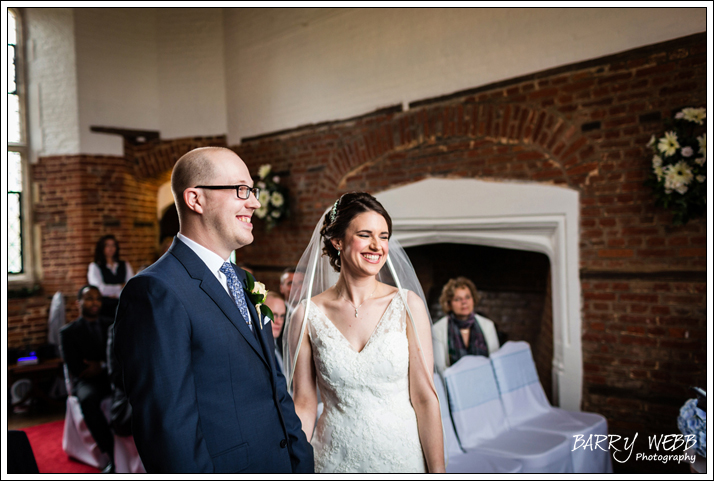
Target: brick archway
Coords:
[[487, 140]]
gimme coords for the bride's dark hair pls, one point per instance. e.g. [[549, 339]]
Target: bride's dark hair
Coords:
[[339, 217]]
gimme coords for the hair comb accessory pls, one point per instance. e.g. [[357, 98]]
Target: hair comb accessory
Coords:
[[333, 213]]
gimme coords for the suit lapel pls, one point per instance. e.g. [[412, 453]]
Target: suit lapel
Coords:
[[209, 284]]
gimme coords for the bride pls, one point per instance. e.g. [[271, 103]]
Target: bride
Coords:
[[366, 345]]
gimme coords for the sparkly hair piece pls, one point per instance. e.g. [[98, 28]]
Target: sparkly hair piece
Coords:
[[333, 213]]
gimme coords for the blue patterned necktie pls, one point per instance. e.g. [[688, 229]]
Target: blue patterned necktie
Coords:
[[236, 291]]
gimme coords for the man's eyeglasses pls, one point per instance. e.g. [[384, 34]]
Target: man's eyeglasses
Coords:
[[242, 191]]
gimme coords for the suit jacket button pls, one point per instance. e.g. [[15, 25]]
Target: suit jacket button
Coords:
[[283, 443]]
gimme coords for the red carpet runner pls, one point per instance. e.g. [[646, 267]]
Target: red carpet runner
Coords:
[[46, 442]]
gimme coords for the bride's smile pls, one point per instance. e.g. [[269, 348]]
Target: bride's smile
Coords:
[[365, 246]]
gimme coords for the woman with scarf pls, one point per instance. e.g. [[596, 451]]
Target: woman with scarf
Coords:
[[461, 332]]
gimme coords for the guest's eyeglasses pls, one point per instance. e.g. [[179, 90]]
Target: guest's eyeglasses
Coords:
[[242, 191]]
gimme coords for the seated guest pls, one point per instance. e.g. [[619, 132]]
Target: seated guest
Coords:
[[109, 273], [83, 345], [276, 303], [461, 331]]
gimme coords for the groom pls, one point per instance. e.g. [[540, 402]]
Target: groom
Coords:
[[197, 359]]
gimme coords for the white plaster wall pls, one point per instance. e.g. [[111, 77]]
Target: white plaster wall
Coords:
[[246, 72], [192, 93], [291, 67], [117, 74], [147, 68], [53, 121]]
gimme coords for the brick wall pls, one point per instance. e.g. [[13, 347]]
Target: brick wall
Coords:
[[584, 126]]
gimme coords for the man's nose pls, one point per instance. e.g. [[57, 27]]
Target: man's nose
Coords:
[[253, 201]]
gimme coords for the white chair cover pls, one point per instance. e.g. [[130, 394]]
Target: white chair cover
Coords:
[[79, 444], [527, 407], [126, 457], [457, 460], [56, 319], [77, 441], [482, 427]]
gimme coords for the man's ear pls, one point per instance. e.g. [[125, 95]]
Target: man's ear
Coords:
[[193, 200]]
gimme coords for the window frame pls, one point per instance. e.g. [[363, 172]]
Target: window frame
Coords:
[[28, 276]]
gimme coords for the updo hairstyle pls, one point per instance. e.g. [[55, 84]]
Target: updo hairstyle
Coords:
[[348, 207]]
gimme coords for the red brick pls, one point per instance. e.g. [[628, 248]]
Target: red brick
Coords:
[[692, 252], [640, 341], [616, 253], [652, 298]]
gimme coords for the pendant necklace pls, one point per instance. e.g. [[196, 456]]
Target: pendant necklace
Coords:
[[357, 307]]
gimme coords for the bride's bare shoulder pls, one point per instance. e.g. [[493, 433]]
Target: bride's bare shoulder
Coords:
[[387, 290], [322, 299]]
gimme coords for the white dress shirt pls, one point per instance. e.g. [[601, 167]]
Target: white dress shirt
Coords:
[[95, 278], [213, 261]]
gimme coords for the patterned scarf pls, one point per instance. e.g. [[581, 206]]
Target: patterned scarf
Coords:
[[477, 343]]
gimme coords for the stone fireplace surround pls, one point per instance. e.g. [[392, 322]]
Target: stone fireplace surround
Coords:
[[532, 217]]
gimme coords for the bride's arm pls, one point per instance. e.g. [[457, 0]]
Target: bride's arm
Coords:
[[304, 390], [421, 391]]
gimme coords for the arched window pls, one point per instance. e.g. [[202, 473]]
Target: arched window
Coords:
[[19, 246]]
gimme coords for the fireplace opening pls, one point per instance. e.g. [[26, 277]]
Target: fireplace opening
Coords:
[[514, 286]]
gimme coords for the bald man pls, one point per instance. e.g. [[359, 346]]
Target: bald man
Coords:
[[198, 362]]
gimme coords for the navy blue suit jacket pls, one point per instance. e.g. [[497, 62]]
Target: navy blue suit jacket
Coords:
[[205, 394]]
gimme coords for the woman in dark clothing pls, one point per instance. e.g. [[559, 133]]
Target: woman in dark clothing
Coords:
[[109, 273]]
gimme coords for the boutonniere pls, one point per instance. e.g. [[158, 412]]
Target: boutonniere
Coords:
[[257, 294]]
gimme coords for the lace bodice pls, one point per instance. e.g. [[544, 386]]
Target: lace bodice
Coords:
[[368, 423]]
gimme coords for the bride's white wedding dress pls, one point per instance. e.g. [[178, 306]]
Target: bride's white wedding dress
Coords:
[[368, 423]]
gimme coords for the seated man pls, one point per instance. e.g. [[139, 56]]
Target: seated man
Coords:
[[83, 347]]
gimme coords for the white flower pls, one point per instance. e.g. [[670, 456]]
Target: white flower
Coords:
[[264, 197], [694, 115], [277, 199], [677, 177], [703, 144], [657, 167], [668, 144], [262, 212], [687, 151], [259, 288], [276, 179], [679, 115], [658, 172], [275, 214], [260, 185], [700, 160], [701, 178], [652, 141], [263, 171]]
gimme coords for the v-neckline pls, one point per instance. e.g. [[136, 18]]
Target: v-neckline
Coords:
[[352, 348]]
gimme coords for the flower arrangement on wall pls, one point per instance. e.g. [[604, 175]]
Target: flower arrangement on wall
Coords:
[[678, 175], [273, 197]]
